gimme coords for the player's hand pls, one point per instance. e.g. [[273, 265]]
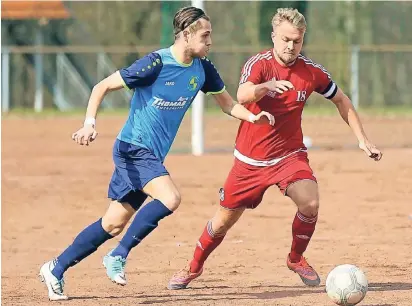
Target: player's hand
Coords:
[[264, 118], [85, 135], [279, 86], [370, 149]]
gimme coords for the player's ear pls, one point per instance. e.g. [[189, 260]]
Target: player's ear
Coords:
[[273, 36], [186, 36]]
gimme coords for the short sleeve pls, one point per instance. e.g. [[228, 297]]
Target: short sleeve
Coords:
[[252, 70], [213, 82], [142, 72], [324, 84]]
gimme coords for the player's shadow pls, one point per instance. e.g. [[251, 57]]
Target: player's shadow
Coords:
[[380, 305], [389, 286], [193, 294], [264, 292]]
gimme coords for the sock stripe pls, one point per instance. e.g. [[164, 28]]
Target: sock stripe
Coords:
[[306, 219], [211, 232], [210, 229]]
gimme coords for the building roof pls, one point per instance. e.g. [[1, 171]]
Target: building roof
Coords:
[[18, 10]]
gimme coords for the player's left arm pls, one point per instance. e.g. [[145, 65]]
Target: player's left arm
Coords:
[[236, 110], [351, 117], [327, 87], [214, 86]]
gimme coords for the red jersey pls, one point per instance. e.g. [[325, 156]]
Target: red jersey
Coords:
[[265, 142]]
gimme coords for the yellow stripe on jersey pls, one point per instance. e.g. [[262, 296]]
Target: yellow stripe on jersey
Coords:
[[216, 92]]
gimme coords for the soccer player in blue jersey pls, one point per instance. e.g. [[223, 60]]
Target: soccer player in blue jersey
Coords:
[[165, 82]]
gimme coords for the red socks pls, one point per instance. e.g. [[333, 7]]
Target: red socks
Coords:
[[205, 245], [302, 230]]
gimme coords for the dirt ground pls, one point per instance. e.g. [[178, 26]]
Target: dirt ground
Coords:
[[52, 189]]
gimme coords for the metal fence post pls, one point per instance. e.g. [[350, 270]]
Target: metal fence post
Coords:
[[38, 67], [355, 76], [5, 80], [198, 142]]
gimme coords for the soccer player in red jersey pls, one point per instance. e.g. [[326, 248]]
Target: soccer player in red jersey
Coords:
[[278, 81]]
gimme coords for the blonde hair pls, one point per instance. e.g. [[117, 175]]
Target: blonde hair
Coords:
[[290, 15]]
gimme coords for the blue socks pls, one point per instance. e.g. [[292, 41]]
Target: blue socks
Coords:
[[83, 245], [93, 236], [145, 221]]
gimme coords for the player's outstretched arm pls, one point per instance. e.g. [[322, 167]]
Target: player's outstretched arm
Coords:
[[88, 132], [350, 116], [249, 92], [236, 110]]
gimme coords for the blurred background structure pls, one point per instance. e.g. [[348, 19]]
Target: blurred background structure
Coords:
[[53, 52]]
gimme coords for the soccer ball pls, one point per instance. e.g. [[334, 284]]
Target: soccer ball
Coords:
[[346, 285], [307, 141]]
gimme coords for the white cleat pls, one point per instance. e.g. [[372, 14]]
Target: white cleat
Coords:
[[54, 286]]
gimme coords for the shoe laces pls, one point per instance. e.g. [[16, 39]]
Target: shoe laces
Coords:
[[57, 285], [304, 263], [118, 264], [185, 272], [306, 268]]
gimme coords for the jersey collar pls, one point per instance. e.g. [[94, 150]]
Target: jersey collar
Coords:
[[177, 61]]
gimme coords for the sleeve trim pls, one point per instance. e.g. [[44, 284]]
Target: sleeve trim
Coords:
[[216, 92], [124, 83]]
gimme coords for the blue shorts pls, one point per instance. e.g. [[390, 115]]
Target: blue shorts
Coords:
[[134, 168]]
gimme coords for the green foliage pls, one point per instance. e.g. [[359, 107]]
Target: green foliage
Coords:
[[383, 77]]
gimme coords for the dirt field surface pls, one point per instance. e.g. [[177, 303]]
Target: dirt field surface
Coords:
[[52, 189]]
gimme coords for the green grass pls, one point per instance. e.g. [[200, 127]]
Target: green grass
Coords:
[[308, 111], [51, 112], [372, 111]]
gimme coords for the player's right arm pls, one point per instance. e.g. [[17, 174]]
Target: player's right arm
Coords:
[[252, 84], [249, 92], [142, 72]]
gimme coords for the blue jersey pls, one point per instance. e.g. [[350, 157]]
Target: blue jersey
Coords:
[[163, 91]]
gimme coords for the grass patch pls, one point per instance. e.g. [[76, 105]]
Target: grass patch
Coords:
[[401, 111]]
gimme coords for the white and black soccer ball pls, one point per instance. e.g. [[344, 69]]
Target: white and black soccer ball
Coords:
[[346, 285]]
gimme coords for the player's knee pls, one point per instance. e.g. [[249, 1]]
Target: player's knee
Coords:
[[172, 200], [220, 228], [224, 220], [112, 226], [310, 208]]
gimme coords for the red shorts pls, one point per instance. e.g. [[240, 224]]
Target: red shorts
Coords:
[[246, 184]]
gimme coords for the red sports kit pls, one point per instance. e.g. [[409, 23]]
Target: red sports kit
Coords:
[[273, 155]]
